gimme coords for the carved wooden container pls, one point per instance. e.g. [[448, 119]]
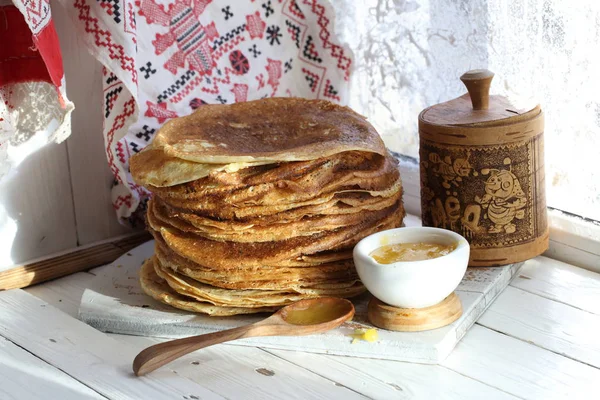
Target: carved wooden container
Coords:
[[482, 173]]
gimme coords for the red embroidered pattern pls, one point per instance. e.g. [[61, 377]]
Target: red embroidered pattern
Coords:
[[187, 90], [185, 32], [103, 39], [122, 201], [159, 111], [214, 88], [187, 53], [240, 91], [274, 71], [119, 123], [227, 47], [255, 25], [336, 51], [120, 150]]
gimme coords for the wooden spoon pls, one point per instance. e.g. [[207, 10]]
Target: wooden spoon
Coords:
[[304, 317]]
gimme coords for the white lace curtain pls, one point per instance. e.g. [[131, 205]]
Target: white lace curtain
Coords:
[[409, 55]]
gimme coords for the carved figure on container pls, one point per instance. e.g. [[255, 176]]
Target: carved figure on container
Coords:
[[504, 199], [451, 172]]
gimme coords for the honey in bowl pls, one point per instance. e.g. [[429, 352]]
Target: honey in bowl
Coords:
[[410, 252]]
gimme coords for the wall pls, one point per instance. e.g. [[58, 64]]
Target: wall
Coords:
[[59, 197]]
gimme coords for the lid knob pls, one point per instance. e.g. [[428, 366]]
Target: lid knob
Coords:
[[478, 83]]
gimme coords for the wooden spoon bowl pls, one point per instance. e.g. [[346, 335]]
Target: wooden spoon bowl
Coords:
[[305, 317]]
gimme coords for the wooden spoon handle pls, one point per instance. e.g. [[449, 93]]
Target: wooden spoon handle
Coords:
[[163, 353]]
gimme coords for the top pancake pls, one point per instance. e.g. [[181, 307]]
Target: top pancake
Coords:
[[267, 130], [152, 167]]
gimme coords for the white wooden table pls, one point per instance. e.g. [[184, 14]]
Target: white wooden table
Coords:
[[539, 340]]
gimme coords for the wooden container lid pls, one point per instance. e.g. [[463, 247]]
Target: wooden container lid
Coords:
[[476, 109]]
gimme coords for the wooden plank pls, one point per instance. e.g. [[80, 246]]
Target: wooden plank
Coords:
[[549, 324], [64, 293], [86, 354], [562, 282], [91, 178], [382, 379], [24, 376], [577, 232], [520, 368], [36, 211], [250, 373], [115, 302], [71, 261], [573, 255], [357, 374]]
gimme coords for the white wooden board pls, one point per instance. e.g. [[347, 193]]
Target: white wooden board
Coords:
[[562, 282], [91, 357], [383, 379], [36, 211], [18, 367], [115, 303], [555, 326], [522, 369], [248, 373]]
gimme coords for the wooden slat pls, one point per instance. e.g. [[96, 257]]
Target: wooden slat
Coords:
[[91, 177], [562, 282], [64, 293], [65, 263], [90, 356], [520, 368], [546, 323], [24, 376], [574, 240], [238, 372], [36, 201], [215, 363], [499, 361], [382, 379], [574, 256]]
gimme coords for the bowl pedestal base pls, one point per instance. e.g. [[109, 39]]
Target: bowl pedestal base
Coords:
[[393, 318]]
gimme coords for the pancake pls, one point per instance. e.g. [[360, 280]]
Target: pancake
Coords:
[[223, 211], [157, 288], [276, 231], [342, 203], [259, 204], [336, 175], [271, 129], [336, 271], [223, 297], [152, 167], [302, 261], [298, 280], [223, 254], [247, 297]]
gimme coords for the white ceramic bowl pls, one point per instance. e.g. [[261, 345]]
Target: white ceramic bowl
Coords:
[[412, 284]]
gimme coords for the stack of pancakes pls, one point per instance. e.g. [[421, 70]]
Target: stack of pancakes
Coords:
[[256, 205]]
